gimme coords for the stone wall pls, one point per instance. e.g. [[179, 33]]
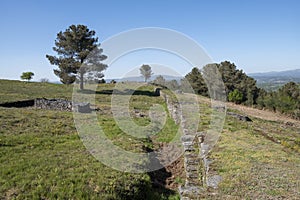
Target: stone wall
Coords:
[[192, 160], [196, 161], [62, 104], [53, 104]]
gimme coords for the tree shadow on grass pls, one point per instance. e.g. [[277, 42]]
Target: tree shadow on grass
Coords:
[[159, 177], [118, 92]]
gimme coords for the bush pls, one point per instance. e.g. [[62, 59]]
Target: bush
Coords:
[[101, 81], [235, 96]]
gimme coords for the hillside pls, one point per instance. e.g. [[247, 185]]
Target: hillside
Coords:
[[42, 156]]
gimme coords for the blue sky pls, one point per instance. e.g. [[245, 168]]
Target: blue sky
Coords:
[[257, 35]]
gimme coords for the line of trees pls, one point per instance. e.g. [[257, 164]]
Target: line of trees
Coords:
[[79, 57], [242, 89], [239, 87], [285, 100], [170, 84]]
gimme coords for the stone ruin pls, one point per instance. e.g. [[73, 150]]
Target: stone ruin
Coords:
[[51, 104], [196, 162], [62, 104]]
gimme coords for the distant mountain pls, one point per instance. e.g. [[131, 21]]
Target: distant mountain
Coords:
[[271, 81], [141, 79], [289, 73], [56, 82]]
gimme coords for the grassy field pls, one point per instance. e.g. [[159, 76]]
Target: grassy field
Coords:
[[20, 90], [42, 156], [256, 160]]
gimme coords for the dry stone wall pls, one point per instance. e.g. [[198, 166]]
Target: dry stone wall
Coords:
[[192, 161], [196, 161], [53, 104], [62, 104]]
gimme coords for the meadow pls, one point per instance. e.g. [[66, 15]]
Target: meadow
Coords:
[[42, 156]]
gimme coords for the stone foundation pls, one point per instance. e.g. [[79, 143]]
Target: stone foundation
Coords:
[[53, 104], [196, 163]]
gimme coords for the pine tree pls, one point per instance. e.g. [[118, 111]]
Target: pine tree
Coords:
[[78, 53], [195, 79], [146, 72]]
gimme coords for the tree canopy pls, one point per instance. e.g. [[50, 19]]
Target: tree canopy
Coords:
[[197, 82], [78, 55], [285, 100], [242, 88], [235, 79], [27, 76]]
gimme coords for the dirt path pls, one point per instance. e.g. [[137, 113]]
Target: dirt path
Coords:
[[261, 114]]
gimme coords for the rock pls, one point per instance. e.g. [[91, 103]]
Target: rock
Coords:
[[192, 168], [157, 91], [192, 175], [188, 146], [192, 155], [213, 181], [240, 117], [187, 138], [191, 161], [84, 108]]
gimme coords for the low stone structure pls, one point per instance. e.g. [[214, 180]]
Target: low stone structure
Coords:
[[82, 107], [53, 104], [199, 176], [192, 161]]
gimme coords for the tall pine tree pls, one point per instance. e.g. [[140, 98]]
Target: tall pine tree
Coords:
[[78, 53]]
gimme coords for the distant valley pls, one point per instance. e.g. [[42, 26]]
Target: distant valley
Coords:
[[273, 80]]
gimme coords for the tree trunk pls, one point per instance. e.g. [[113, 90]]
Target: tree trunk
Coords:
[[81, 80], [81, 71]]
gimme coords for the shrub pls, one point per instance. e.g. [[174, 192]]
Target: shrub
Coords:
[[235, 96]]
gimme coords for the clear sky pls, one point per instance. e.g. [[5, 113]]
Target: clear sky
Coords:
[[257, 35]]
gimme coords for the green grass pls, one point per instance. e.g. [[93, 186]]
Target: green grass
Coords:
[[253, 166], [42, 156], [20, 90]]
